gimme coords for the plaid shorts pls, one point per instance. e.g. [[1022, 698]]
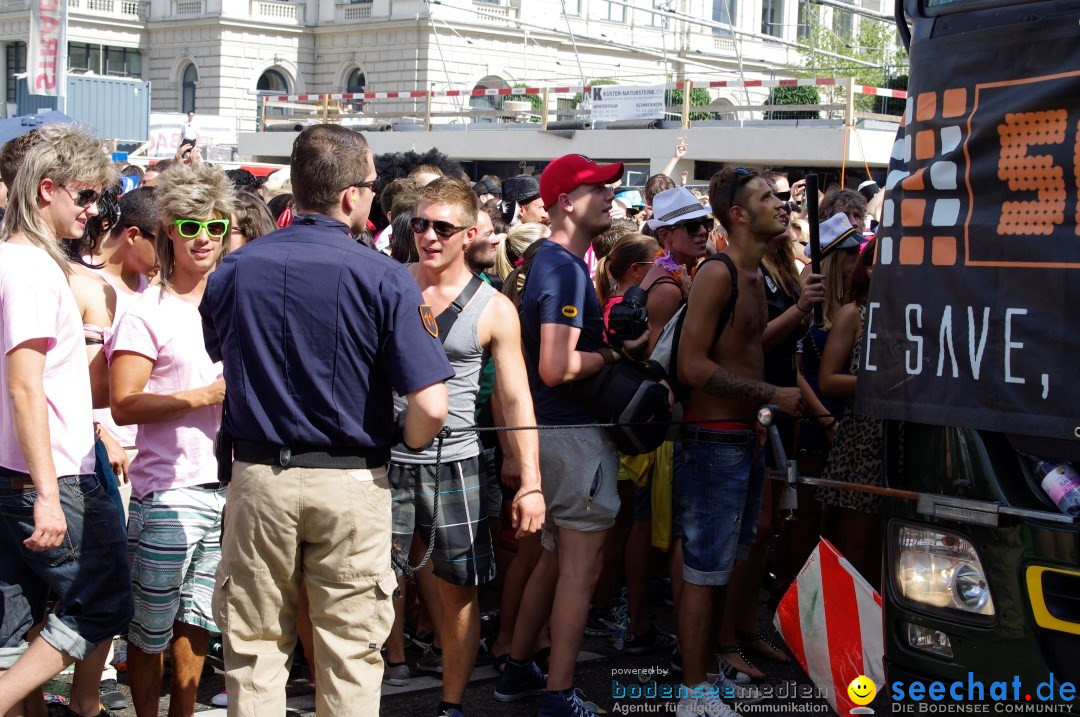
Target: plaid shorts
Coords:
[[174, 547], [463, 553]]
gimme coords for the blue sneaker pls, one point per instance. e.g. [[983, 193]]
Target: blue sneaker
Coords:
[[565, 704], [519, 681], [451, 713]]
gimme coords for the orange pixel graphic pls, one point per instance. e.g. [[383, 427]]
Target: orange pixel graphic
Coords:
[[1025, 172]]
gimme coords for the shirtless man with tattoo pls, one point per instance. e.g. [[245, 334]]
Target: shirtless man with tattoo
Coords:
[[719, 464]]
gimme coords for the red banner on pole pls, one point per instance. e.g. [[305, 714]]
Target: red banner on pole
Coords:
[[46, 52]]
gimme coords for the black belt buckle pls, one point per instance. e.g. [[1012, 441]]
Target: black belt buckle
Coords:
[[285, 457]]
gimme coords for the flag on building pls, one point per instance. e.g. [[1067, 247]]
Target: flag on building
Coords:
[[46, 51], [831, 620]]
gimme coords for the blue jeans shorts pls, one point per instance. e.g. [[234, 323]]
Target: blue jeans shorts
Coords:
[[719, 477], [87, 572]]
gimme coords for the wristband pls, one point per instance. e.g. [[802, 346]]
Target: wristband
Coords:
[[526, 494], [609, 355]]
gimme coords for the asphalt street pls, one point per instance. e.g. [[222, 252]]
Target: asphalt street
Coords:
[[600, 667]]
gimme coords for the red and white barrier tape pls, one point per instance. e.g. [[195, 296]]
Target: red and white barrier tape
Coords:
[[506, 91]]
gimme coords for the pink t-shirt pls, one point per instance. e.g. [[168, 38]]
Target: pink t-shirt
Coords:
[[36, 303], [168, 330]]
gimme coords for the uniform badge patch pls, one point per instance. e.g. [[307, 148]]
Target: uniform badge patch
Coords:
[[569, 311], [427, 318]]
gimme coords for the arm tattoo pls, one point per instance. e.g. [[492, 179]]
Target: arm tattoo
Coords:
[[725, 384]]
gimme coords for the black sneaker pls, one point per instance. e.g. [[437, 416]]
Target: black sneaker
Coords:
[[654, 639], [519, 681], [110, 696]]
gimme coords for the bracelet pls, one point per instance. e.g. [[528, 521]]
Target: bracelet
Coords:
[[526, 494], [805, 311]]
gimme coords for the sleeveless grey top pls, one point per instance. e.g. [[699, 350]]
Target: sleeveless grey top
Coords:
[[466, 358]]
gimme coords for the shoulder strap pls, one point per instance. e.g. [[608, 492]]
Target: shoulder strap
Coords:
[[449, 316], [728, 313], [665, 280]]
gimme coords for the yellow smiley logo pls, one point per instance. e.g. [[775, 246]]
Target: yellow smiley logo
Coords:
[[862, 690], [569, 311]]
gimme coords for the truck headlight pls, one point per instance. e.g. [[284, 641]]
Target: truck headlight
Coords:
[[940, 570]]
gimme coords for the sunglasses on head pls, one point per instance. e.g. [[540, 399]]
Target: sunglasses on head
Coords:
[[741, 175], [191, 228], [84, 197], [443, 230], [693, 226]]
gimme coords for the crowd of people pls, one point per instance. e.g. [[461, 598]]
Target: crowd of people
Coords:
[[251, 409]]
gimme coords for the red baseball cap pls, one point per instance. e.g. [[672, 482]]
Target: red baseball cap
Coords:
[[570, 171]]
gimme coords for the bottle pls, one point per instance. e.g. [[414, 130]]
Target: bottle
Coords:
[[1062, 483]]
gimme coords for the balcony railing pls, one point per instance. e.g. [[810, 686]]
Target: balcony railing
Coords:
[[494, 10], [286, 13], [353, 12], [187, 8]]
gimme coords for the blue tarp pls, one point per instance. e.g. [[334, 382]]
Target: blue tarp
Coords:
[[17, 126]]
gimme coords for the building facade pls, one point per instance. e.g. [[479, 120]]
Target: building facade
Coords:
[[219, 57]]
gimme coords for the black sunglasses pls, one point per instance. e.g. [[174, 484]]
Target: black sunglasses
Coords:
[[367, 185], [443, 230], [693, 226], [742, 175], [84, 197], [783, 196]]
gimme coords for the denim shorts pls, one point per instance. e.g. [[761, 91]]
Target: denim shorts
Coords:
[[87, 572], [717, 497]]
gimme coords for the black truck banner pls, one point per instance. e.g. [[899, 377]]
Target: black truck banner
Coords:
[[974, 311]]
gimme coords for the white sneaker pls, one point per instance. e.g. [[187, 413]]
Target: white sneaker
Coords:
[[221, 699], [709, 706]]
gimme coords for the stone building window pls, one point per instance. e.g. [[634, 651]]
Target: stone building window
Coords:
[[187, 89]]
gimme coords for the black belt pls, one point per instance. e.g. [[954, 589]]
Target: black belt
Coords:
[[705, 435], [309, 456]]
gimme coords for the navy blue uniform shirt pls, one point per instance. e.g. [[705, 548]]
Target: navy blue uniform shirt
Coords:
[[558, 291], [315, 331]]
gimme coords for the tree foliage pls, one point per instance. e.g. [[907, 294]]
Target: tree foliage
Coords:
[[872, 42], [793, 96], [699, 97]]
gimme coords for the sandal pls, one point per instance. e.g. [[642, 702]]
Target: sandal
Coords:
[[761, 646], [734, 657]]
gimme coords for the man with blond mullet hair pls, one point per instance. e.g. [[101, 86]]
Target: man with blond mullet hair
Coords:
[[61, 534]]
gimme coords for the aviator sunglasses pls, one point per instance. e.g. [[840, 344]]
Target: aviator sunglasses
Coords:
[[443, 230], [84, 198], [190, 228]]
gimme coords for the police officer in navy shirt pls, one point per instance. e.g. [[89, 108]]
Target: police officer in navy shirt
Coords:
[[315, 332]]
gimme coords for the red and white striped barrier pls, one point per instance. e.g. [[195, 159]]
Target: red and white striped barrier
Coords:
[[831, 619], [506, 91]]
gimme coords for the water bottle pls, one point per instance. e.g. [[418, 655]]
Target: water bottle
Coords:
[[1062, 483]]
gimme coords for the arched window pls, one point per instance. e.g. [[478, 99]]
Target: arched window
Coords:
[[187, 89], [272, 81], [356, 82], [487, 102]]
